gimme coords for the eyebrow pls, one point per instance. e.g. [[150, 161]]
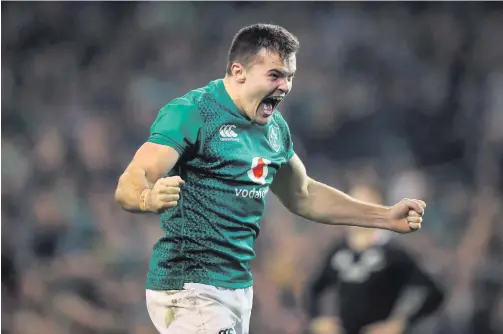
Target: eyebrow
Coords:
[[281, 72]]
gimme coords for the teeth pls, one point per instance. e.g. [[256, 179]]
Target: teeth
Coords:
[[274, 100], [270, 103]]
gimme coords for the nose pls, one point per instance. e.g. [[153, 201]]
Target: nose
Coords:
[[285, 86]]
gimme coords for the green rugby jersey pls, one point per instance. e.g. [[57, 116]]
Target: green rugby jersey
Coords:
[[228, 164]]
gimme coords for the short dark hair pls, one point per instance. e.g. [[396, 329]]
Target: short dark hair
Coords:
[[251, 39]]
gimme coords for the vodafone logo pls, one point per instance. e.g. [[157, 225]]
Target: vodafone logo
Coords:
[[259, 170], [227, 133], [257, 173]]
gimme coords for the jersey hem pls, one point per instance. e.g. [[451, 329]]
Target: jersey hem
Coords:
[[289, 155], [159, 284]]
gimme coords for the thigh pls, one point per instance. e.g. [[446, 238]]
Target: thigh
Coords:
[[170, 311], [246, 297], [215, 309]]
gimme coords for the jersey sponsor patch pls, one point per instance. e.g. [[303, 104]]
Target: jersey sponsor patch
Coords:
[[257, 173], [259, 170], [253, 193], [228, 133]]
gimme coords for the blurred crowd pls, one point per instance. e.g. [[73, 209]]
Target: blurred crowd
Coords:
[[406, 98]]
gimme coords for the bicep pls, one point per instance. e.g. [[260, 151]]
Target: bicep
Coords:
[[155, 160], [291, 182]]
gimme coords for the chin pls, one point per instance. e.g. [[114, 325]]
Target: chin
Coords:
[[260, 120]]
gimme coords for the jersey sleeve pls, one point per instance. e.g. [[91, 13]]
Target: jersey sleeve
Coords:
[[289, 148], [177, 125]]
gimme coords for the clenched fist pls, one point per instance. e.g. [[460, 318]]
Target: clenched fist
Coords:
[[406, 215], [164, 194]]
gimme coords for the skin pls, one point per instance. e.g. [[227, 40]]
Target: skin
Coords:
[[147, 167], [268, 75]]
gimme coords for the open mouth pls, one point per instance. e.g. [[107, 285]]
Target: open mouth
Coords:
[[270, 103]]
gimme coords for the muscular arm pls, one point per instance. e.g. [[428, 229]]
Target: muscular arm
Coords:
[[318, 202], [150, 163]]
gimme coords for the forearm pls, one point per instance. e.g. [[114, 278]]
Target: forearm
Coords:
[[327, 205], [131, 185]]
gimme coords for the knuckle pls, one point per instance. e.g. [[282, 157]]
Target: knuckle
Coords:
[[172, 181], [170, 204], [413, 213]]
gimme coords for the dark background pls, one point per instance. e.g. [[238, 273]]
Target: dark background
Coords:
[[405, 97]]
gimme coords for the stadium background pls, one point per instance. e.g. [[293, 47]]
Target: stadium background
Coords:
[[405, 97]]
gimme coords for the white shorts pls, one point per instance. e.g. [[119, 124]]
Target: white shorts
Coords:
[[201, 309]]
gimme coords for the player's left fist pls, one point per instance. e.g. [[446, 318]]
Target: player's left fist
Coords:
[[406, 216]]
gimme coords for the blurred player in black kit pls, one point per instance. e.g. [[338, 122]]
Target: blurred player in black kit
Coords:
[[380, 287]]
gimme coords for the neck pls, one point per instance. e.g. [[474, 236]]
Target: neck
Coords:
[[233, 91]]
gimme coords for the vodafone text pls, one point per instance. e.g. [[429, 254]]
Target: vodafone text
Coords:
[[253, 193]]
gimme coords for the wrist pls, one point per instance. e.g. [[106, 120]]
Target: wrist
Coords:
[[382, 217], [144, 200]]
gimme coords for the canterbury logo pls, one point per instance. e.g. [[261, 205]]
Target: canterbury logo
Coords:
[[227, 331], [227, 132]]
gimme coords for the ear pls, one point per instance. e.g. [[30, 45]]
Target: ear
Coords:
[[238, 72]]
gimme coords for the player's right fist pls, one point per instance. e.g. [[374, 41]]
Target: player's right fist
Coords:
[[164, 194]]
